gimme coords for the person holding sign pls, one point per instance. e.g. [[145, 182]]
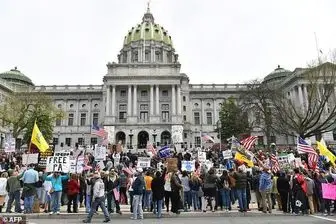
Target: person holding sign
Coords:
[[56, 191]]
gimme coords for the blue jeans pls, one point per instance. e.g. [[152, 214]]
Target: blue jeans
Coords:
[[14, 196], [187, 199], [242, 199], [157, 207], [28, 204], [87, 203], [101, 203], [225, 195], [195, 200], [234, 195], [56, 201], [148, 199], [137, 207]]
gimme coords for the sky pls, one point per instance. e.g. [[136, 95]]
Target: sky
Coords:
[[69, 42]]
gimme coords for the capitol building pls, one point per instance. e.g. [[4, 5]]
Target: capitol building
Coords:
[[144, 97]]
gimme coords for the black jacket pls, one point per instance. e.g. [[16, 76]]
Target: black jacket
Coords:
[[158, 188], [241, 180]]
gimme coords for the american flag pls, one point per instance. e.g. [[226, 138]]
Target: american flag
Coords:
[[275, 163], [96, 130], [304, 147], [207, 138], [150, 148], [249, 142]]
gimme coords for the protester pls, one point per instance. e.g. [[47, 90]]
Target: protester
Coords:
[[56, 191]]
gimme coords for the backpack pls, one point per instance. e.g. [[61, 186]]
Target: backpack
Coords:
[[226, 184], [232, 181]]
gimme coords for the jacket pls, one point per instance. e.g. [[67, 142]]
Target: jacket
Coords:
[[57, 182], [98, 188], [310, 186], [283, 185], [265, 183], [73, 187], [175, 183], [158, 188], [241, 180], [13, 184], [138, 185]]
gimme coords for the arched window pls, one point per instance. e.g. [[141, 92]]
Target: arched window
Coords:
[[158, 56]]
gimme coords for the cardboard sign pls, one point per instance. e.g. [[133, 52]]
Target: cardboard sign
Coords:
[[201, 157], [171, 164], [227, 154], [144, 162], [329, 191], [30, 159], [188, 166], [100, 153], [58, 164]]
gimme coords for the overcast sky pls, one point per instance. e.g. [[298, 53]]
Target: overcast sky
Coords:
[[219, 41]]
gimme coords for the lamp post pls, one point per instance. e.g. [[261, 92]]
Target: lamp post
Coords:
[[131, 136], [219, 128], [154, 136]]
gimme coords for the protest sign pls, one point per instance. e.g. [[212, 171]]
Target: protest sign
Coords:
[[30, 159], [100, 153], [290, 158], [58, 164], [227, 154], [298, 162], [188, 166], [329, 191], [100, 165], [42, 163], [201, 157], [144, 162], [171, 164], [164, 152]]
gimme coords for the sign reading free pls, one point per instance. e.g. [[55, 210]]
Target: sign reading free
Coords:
[[58, 164]]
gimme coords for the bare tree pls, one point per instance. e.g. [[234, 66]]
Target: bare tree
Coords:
[[317, 113]]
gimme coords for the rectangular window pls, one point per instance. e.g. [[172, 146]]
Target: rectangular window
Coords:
[[68, 141], [122, 107], [82, 119], [197, 120], [143, 93], [165, 93], [198, 141], [184, 98], [95, 118], [165, 116], [184, 108], [80, 141], [70, 119], [165, 107], [94, 141], [122, 116], [184, 118], [185, 135], [143, 106], [209, 118], [147, 56], [144, 116], [55, 141], [58, 122], [122, 93]]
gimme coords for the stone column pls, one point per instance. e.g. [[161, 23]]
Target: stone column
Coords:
[[179, 101], [305, 96], [135, 101], [108, 100], [173, 100], [151, 100], [129, 101], [157, 100], [114, 103], [300, 94]]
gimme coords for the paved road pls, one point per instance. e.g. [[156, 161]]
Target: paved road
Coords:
[[212, 220]]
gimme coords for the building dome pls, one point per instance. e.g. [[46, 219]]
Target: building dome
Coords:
[[14, 76], [148, 30], [277, 75]]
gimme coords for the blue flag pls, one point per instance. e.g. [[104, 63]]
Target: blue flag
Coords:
[[164, 152]]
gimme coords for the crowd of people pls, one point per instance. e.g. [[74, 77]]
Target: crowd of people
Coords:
[[162, 188]]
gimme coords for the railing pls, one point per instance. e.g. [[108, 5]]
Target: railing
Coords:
[[217, 86], [68, 87]]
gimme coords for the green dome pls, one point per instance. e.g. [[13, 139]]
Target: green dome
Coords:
[[15, 76], [148, 30], [277, 75]]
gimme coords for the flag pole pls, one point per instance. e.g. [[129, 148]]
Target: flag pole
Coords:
[[31, 137]]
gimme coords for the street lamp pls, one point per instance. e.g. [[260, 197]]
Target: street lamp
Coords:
[[131, 136], [154, 136]]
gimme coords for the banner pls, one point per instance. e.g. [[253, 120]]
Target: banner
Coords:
[[201, 157], [58, 164], [100, 153], [188, 166], [243, 158], [227, 154], [144, 162], [30, 159], [329, 191], [164, 152]]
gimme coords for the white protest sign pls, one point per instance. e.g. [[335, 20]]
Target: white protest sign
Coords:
[[100, 153], [77, 166], [58, 164], [144, 162], [290, 157], [298, 162], [188, 166], [227, 154], [30, 159], [101, 165], [62, 154], [201, 157]]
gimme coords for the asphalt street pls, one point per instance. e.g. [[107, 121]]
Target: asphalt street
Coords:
[[206, 220]]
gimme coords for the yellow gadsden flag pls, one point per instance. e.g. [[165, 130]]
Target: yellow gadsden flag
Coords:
[[324, 151], [243, 158], [38, 139]]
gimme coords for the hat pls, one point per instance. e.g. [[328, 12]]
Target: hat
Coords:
[[139, 170]]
